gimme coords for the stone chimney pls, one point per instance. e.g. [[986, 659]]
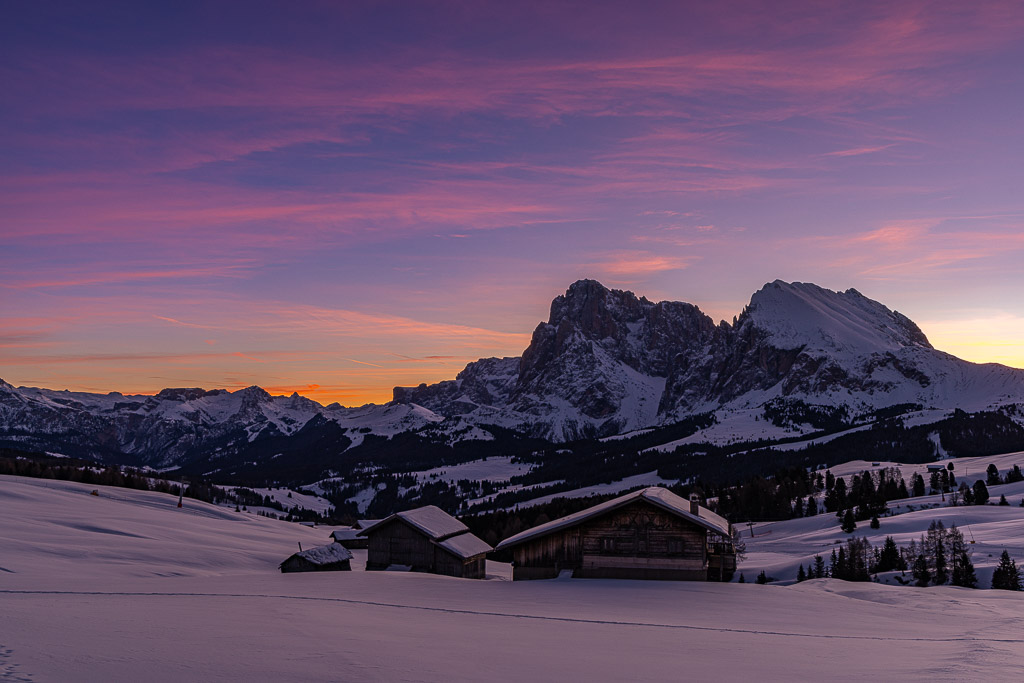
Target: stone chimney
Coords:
[[694, 504]]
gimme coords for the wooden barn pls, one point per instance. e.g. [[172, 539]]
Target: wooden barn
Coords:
[[332, 557], [349, 538], [426, 539], [647, 534]]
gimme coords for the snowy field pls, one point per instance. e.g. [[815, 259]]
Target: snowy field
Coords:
[[124, 586]]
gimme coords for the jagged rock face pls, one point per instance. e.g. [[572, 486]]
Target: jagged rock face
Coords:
[[605, 352], [596, 367], [631, 330], [486, 382], [607, 361], [802, 340]]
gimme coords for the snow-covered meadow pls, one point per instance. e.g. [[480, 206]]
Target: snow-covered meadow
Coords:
[[126, 586]]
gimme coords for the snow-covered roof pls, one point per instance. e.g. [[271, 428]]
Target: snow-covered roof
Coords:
[[364, 523], [656, 495], [345, 535], [325, 554], [465, 545], [430, 519], [443, 529]]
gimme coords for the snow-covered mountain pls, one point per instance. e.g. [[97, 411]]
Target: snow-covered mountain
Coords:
[[183, 424], [606, 362]]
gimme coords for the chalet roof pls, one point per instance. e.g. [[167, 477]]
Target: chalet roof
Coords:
[[431, 520], [655, 495], [345, 534], [441, 528], [465, 545], [364, 523], [325, 554]]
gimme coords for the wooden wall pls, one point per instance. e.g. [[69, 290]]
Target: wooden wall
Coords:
[[398, 543], [637, 541]]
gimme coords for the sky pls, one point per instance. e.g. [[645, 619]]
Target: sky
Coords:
[[336, 198]]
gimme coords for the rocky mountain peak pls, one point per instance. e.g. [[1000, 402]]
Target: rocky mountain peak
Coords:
[[802, 314], [183, 394]]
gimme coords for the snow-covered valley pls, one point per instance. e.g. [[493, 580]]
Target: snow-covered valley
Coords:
[[125, 586]]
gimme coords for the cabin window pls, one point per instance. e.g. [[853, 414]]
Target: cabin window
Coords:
[[608, 545], [675, 546]]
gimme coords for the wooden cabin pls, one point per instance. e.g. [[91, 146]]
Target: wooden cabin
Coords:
[[349, 538], [647, 534], [332, 557], [426, 539]]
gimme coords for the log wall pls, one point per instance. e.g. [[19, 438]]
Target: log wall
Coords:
[[638, 541]]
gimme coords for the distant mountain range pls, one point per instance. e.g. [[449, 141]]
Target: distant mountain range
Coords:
[[605, 363]]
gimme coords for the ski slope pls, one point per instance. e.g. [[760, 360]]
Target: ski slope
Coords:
[[126, 586]]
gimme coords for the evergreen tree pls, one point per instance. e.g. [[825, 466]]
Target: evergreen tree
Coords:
[[889, 558], [1006, 575], [992, 476], [819, 567], [841, 568], [875, 524], [941, 566], [963, 572], [902, 490], [1014, 475], [801, 576], [917, 485], [762, 578], [966, 493], [980, 493], [812, 507], [742, 579], [921, 574], [1002, 499], [849, 523]]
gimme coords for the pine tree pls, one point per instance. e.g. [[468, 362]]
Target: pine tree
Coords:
[[875, 524], [889, 558], [819, 567], [921, 574], [917, 485], [1002, 499], [1006, 575], [849, 523], [966, 493], [841, 568], [980, 493], [992, 476], [801, 576], [812, 507], [963, 572], [941, 571], [742, 579]]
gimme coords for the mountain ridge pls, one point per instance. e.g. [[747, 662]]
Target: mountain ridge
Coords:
[[605, 362]]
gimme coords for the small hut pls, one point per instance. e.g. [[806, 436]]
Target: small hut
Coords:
[[349, 538], [647, 534], [426, 539], [332, 557]]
